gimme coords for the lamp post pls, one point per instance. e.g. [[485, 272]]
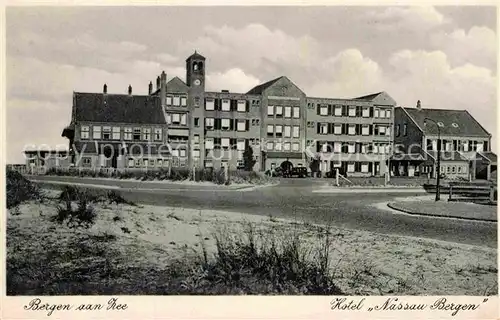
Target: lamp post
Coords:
[[438, 156]]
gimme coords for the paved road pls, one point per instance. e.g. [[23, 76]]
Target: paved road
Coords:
[[293, 198]]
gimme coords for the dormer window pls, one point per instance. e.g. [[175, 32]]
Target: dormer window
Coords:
[[440, 124], [454, 125]]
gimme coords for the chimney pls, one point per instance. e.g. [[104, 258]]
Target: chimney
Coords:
[[129, 89], [163, 89], [150, 88], [105, 89], [157, 83], [419, 107], [225, 91]]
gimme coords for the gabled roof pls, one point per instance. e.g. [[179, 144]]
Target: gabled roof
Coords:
[[99, 107], [455, 122], [448, 155], [492, 158], [177, 85], [261, 87], [369, 97], [379, 98], [195, 55]]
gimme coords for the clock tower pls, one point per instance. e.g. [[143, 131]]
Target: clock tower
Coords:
[[195, 71], [195, 79]]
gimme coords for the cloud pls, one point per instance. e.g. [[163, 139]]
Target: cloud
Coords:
[[478, 46], [234, 80], [416, 19]]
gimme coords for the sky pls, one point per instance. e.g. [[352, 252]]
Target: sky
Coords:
[[443, 56]]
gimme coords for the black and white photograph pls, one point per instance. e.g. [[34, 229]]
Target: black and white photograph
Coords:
[[251, 150]]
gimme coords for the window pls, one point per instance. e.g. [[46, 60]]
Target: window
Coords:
[[116, 133], [448, 169], [352, 111], [96, 132], [279, 111], [209, 123], [210, 104], [296, 112], [286, 146], [288, 131], [270, 110], [183, 101], [183, 119], [365, 130], [226, 105], [146, 134], [350, 167], [323, 128], [177, 101], [323, 110], [145, 162], [338, 111], [241, 125], [364, 167], [352, 129], [196, 122], [453, 169], [127, 134], [85, 132], [459, 169], [440, 124], [376, 113], [209, 143], [196, 138], [382, 113], [288, 112], [131, 162], [225, 124], [454, 125], [387, 113], [337, 146], [337, 129], [196, 153], [351, 148], [381, 130], [176, 118], [270, 130], [242, 106], [196, 101], [366, 112], [375, 148], [209, 164], [270, 145], [296, 132], [240, 144], [277, 146], [158, 135], [169, 100], [405, 129], [106, 133], [279, 131], [397, 130], [225, 142], [295, 146]]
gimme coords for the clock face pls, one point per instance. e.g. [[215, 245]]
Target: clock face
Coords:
[[197, 82]]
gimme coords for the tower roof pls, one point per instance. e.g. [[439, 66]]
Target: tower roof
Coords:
[[195, 55]]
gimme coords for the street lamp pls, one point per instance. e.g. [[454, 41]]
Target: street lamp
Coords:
[[438, 157]]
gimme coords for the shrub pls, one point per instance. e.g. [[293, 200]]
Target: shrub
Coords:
[[256, 264], [20, 189], [219, 177], [83, 216], [240, 176], [115, 197]]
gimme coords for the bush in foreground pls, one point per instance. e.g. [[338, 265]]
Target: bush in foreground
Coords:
[[19, 189], [257, 264]]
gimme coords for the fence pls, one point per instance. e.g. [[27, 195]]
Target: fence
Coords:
[[474, 193]]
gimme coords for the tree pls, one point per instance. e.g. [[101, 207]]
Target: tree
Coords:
[[248, 159]]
